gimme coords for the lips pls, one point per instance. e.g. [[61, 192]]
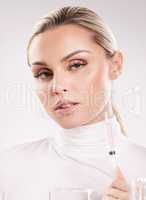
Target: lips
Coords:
[[64, 105]]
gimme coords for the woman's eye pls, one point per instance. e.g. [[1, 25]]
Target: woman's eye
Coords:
[[43, 75], [77, 65]]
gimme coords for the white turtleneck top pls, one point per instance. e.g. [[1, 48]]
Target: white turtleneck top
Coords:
[[70, 164]]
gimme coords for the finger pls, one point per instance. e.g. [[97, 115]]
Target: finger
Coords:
[[115, 193], [109, 198], [119, 174], [120, 185]]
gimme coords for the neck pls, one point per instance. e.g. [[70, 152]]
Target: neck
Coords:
[[107, 111], [94, 131]]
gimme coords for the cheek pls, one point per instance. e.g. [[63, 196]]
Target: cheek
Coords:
[[42, 93], [97, 87], [101, 77], [90, 84], [98, 80], [101, 71]]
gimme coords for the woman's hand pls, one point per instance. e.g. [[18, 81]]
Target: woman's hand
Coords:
[[119, 189]]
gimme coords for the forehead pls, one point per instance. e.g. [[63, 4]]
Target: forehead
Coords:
[[60, 41]]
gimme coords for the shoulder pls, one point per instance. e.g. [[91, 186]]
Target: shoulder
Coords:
[[127, 145], [25, 150], [132, 158], [20, 161]]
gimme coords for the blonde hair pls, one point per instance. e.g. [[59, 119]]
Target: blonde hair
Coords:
[[87, 19]]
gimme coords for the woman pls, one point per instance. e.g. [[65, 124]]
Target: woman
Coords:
[[74, 59]]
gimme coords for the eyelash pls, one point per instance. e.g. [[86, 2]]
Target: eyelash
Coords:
[[76, 65]]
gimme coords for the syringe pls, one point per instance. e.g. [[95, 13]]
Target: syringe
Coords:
[[110, 140]]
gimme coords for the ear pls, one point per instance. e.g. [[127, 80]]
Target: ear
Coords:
[[116, 65]]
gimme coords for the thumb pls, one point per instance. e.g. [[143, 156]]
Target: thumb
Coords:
[[119, 174]]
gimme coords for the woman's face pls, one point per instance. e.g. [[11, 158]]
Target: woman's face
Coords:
[[68, 66]]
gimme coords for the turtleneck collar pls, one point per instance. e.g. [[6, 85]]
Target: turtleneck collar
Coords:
[[89, 145], [88, 139], [88, 134]]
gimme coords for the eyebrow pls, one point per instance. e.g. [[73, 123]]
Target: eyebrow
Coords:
[[73, 53], [64, 58]]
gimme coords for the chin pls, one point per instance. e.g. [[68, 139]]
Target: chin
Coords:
[[69, 124], [72, 120]]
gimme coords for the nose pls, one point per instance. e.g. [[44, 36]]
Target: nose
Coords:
[[58, 87]]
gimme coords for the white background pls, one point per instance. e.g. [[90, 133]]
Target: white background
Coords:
[[21, 116]]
